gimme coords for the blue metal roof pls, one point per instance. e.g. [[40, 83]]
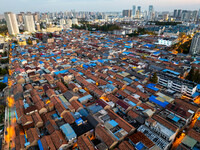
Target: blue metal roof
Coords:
[[128, 80], [171, 71], [131, 103], [153, 99], [68, 131], [195, 94], [152, 87], [62, 72], [83, 112], [94, 108], [84, 98]]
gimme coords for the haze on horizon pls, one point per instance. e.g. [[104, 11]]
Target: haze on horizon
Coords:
[[17, 6]]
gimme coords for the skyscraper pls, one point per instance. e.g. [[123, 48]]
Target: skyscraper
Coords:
[[179, 13], [150, 13], [175, 13], [138, 13], [12, 24], [134, 10], [29, 22], [195, 45], [127, 13]]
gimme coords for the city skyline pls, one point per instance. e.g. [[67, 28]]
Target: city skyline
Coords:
[[17, 6]]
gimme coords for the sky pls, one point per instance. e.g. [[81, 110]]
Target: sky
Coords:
[[17, 6]]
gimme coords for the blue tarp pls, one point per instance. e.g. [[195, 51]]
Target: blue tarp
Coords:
[[127, 53], [85, 66], [110, 82], [5, 79], [171, 71], [153, 99], [113, 123], [15, 60], [40, 145], [139, 146], [41, 62], [148, 45], [92, 65], [195, 94], [79, 121], [74, 60], [150, 86], [99, 60], [62, 72], [33, 56], [163, 59], [198, 86], [176, 119], [131, 103], [127, 46], [156, 53]]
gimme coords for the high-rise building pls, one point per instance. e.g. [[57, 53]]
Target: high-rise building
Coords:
[[12, 24], [29, 22], [199, 13], [175, 13], [20, 18], [138, 13], [150, 13], [127, 13], [179, 13], [195, 45], [134, 10], [194, 15]]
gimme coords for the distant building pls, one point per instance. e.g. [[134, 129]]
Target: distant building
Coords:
[[138, 13], [179, 14], [29, 23], [175, 15], [134, 10], [127, 13], [150, 13], [195, 45], [12, 24]]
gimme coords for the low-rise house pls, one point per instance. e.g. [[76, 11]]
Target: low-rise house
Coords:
[[59, 140], [46, 143], [104, 135]]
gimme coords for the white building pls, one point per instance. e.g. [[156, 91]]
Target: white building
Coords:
[[12, 24], [176, 84], [29, 23], [75, 21], [167, 41]]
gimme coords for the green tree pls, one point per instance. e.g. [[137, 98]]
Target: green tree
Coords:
[[2, 86], [29, 41], [3, 71], [196, 76], [190, 75], [154, 78], [5, 54]]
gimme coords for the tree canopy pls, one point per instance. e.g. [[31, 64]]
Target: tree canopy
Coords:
[[194, 75], [154, 78]]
